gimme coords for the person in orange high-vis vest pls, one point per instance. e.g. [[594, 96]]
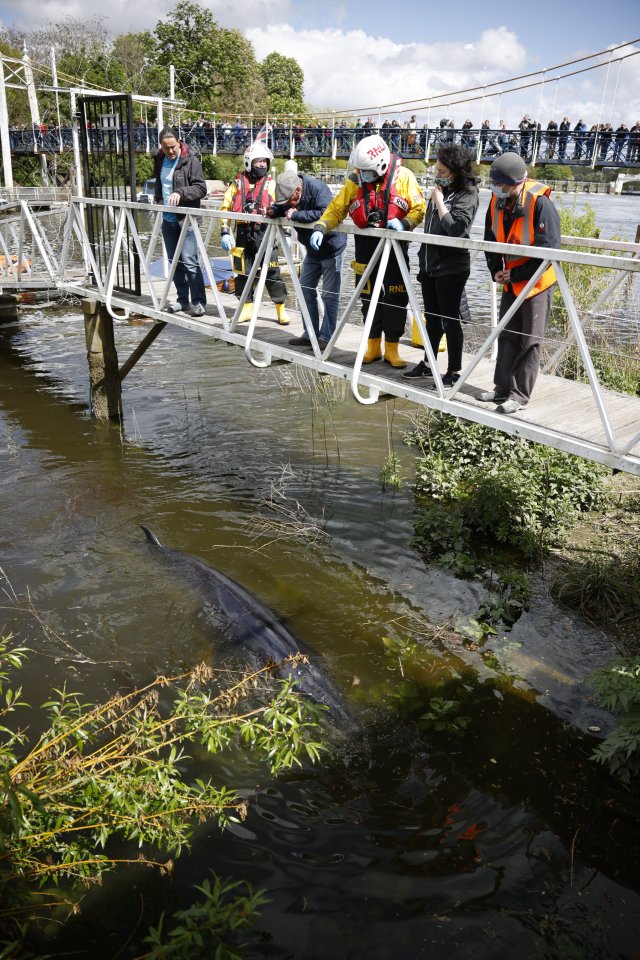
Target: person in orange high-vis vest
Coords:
[[520, 212]]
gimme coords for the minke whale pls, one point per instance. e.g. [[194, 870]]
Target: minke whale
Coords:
[[258, 629]]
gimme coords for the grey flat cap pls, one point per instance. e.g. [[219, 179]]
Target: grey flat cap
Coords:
[[286, 183], [509, 169]]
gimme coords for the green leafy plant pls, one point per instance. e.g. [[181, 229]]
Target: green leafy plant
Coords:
[[207, 928], [390, 473], [121, 771], [617, 687], [476, 487], [444, 716]]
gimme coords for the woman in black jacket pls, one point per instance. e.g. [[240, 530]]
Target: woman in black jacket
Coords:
[[444, 271]]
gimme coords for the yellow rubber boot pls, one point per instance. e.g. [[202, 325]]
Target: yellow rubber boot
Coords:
[[416, 337], [374, 351], [283, 319], [391, 355], [245, 313]]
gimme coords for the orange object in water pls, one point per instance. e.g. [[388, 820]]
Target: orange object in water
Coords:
[[26, 264], [472, 832]]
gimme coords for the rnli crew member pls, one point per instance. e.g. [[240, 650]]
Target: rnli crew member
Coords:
[[180, 183], [302, 199], [380, 192], [252, 192], [520, 212]]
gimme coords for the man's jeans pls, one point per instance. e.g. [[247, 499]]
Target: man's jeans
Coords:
[[188, 275], [330, 270]]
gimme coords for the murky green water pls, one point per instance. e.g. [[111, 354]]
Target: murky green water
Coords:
[[505, 842]]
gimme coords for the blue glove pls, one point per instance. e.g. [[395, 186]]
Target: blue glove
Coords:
[[226, 242], [316, 239], [395, 224]]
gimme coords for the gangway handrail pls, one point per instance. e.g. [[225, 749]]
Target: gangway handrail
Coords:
[[558, 253], [622, 257]]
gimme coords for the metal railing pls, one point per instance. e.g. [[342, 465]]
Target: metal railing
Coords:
[[576, 148], [25, 238]]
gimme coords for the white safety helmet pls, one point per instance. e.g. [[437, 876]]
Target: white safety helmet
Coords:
[[370, 156], [257, 151]]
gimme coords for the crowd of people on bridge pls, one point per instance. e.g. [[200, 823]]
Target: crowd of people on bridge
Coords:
[[563, 141], [381, 192]]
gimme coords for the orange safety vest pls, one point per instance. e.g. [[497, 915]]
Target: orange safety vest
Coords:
[[521, 232]]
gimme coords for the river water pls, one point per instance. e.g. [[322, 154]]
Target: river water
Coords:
[[507, 841]]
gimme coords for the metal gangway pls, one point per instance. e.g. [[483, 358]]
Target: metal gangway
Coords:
[[119, 268]]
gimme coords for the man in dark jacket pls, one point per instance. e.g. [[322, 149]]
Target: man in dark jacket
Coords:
[[180, 183], [304, 199]]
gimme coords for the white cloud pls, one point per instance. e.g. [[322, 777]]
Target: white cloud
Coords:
[[357, 71], [352, 69]]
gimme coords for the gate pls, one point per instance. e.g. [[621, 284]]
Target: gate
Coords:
[[109, 172]]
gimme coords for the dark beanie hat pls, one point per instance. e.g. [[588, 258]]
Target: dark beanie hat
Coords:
[[509, 169]]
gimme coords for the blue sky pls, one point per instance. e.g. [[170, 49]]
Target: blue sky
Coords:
[[358, 56]]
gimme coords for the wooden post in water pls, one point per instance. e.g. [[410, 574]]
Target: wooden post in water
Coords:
[[8, 308], [104, 376]]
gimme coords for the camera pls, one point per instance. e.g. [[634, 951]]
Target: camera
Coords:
[[278, 209], [250, 207], [374, 219]]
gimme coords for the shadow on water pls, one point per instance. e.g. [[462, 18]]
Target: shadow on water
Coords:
[[504, 841]]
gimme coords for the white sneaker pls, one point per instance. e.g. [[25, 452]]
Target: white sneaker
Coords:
[[510, 406], [175, 308], [197, 310], [491, 396]]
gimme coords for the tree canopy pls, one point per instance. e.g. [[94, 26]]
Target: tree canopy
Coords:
[[283, 80], [215, 68]]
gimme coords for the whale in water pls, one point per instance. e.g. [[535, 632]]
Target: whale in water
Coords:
[[258, 628]]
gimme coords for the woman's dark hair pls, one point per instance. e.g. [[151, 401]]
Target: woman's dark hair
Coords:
[[460, 162], [168, 132]]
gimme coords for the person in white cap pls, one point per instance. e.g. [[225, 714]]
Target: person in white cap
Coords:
[[379, 192], [303, 199], [520, 212]]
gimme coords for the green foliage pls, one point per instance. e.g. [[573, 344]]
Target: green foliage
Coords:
[[586, 283], [558, 171], [618, 690], [144, 168], [283, 79], [390, 473], [220, 168], [614, 368], [606, 589], [443, 716], [477, 487], [137, 55], [506, 605], [121, 770], [216, 69], [207, 928]]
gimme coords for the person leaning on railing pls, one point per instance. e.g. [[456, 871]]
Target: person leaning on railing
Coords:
[[444, 271], [180, 183], [520, 212], [252, 192], [379, 192]]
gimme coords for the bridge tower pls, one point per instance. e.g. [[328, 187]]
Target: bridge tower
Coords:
[[17, 75]]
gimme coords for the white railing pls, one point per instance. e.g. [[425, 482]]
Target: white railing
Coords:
[[28, 232]]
